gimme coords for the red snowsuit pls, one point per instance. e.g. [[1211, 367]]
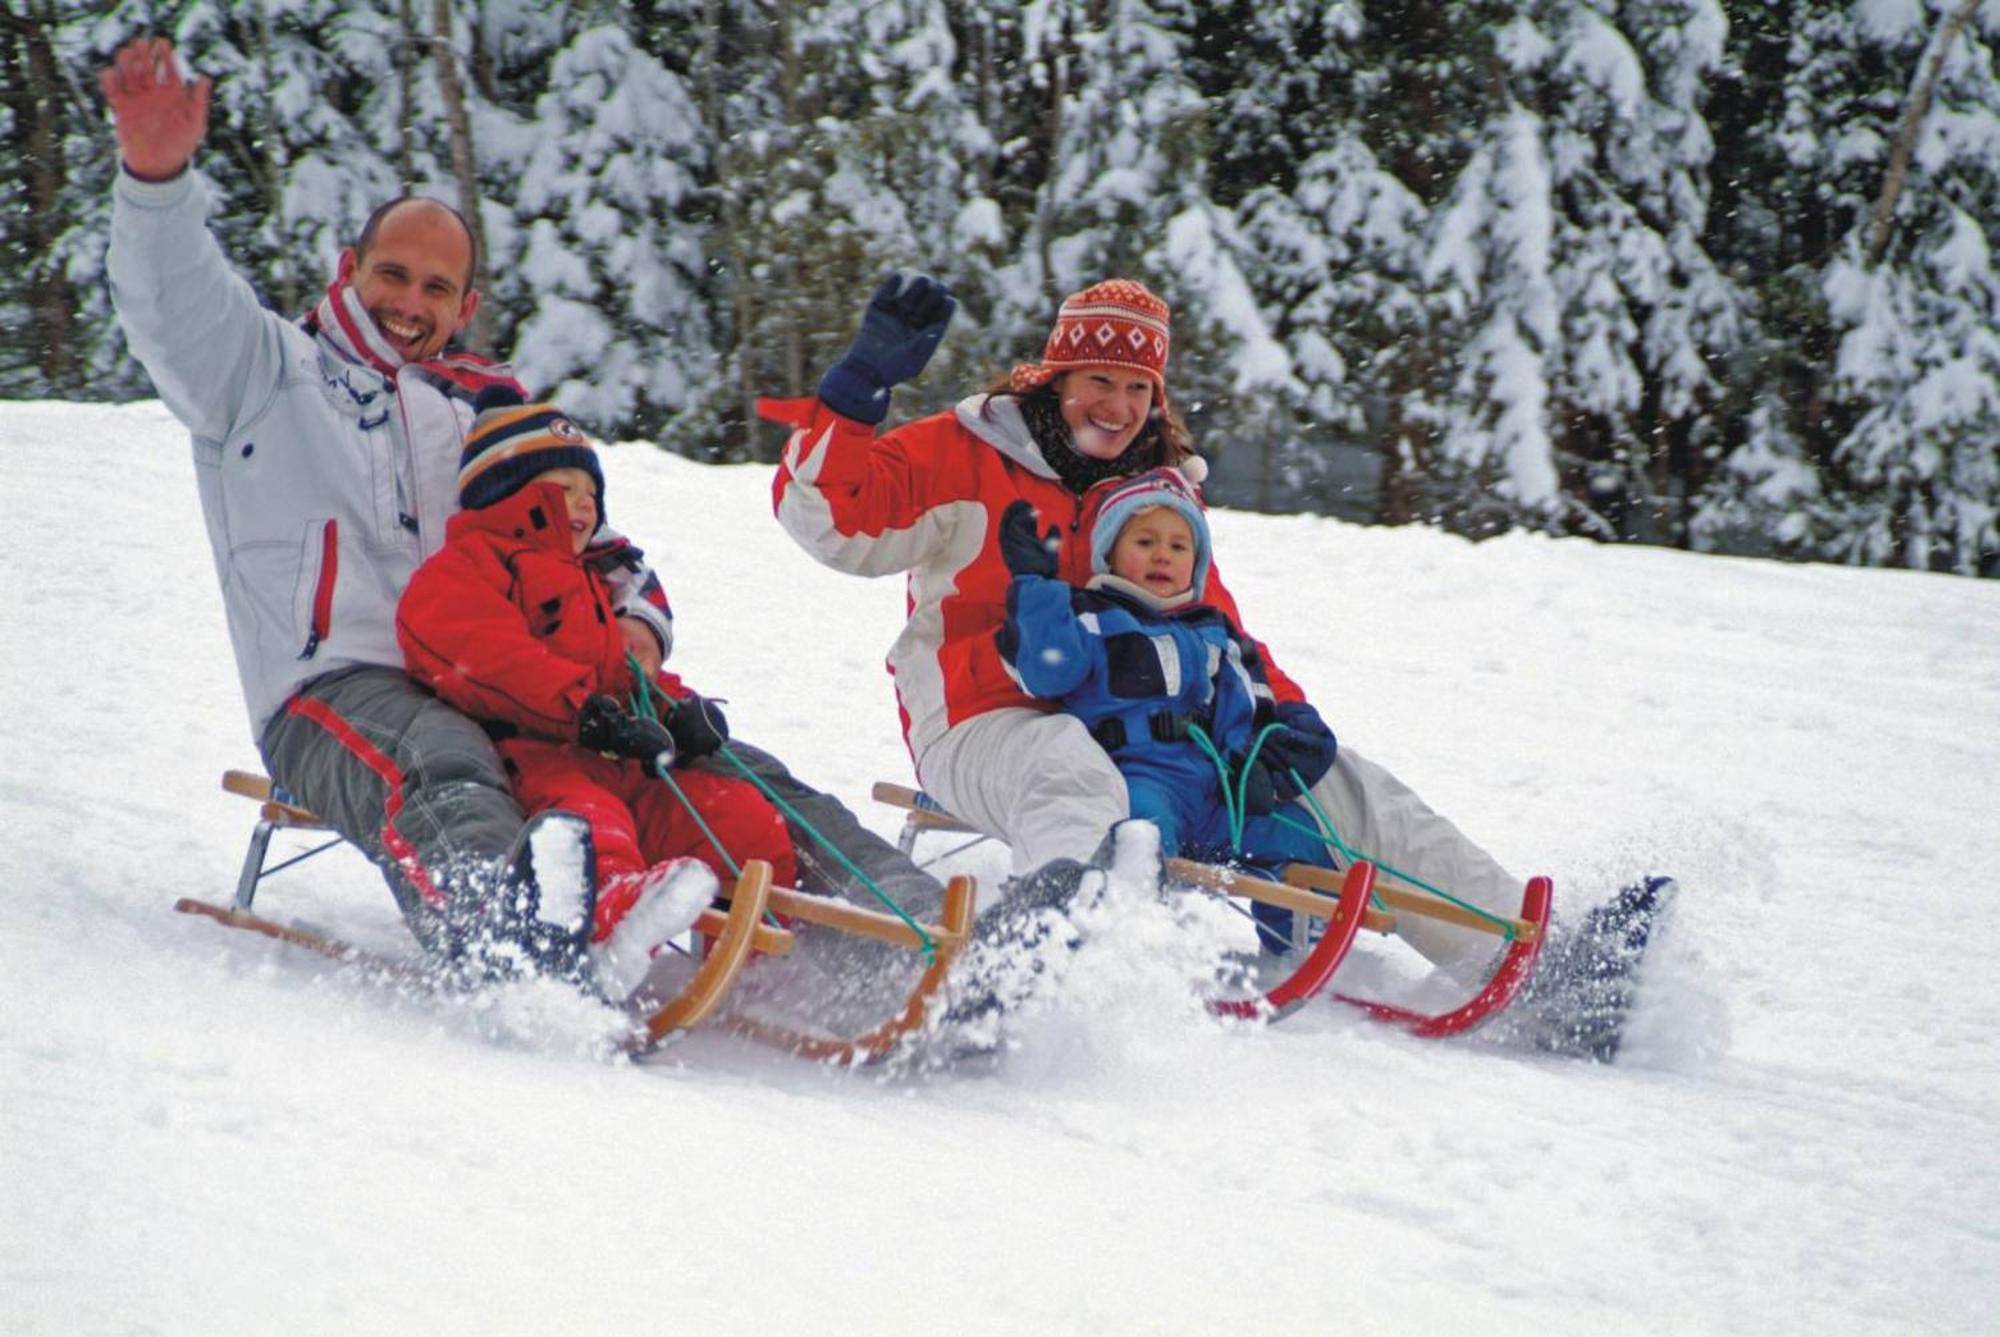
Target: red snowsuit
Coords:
[[508, 625]]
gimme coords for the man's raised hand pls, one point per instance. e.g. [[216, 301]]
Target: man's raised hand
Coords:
[[160, 119]]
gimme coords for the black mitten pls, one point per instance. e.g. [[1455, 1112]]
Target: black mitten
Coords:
[[1260, 798], [697, 725], [1026, 552], [605, 726]]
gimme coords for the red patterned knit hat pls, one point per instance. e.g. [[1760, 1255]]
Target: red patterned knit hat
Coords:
[[1116, 323]]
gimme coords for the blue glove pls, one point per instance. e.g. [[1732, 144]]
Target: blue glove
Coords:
[[1026, 552], [1304, 744], [901, 328]]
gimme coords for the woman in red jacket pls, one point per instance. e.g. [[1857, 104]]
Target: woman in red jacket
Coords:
[[927, 498], [511, 622]]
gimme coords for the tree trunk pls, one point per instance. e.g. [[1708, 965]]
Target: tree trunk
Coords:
[[1914, 111], [730, 152], [40, 107], [464, 165], [267, 168], [406, 94], [792, 355]]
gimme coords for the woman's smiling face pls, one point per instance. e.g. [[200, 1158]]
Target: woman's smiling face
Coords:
[[1105, 407]]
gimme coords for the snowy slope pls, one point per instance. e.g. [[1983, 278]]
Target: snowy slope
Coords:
[[201, 1133]]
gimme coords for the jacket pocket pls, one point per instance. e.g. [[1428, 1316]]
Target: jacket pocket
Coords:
[[319, 571]]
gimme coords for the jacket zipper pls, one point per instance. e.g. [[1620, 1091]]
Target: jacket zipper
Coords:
[[322, 604]]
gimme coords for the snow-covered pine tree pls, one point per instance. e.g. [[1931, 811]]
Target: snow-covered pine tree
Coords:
[[295, 172], [46, 214], [605, 245], [1326, 247], [1915, 478], [1125, 194], [1569, 254], [1491, 260], [898, 165]]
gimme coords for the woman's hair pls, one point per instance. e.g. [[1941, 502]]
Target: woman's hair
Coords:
[[1163, 423]]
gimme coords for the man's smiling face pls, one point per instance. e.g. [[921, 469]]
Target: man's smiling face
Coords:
[[415, 278]]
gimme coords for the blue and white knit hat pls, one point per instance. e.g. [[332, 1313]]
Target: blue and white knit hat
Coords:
[[1156, 487], [511, 442]]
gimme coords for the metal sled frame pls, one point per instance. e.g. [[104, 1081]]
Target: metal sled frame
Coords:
[[731, 936], [1347, 902]]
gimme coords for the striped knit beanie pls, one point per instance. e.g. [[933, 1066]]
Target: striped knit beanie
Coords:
[[511, 442], [1117, 323], [1142, 492]]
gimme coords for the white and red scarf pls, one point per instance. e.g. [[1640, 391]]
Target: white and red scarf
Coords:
[[346, 324]]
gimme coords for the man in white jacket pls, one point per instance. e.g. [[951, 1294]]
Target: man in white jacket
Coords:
[[326, 455]]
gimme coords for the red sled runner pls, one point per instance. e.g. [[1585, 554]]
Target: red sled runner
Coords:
[[1345, 903]]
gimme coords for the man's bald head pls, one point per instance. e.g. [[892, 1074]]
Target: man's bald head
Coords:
[[373, 226]]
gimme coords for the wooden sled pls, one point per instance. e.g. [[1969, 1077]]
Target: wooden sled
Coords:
[[726, 936], [946, 940], [1347, 902]]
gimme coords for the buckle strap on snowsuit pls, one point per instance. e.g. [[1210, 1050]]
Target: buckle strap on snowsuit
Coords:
[[1164, 726]]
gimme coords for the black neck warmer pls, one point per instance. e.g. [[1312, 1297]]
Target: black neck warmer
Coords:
[[1080, 472]]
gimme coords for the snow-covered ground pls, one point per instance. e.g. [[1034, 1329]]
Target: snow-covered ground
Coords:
[[204, 1133]]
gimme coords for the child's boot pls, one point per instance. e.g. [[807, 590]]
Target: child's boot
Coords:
[[639, 913]]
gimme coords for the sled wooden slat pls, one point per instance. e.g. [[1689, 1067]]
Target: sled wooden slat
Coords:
[[766, 939], [950, 934], [922, 808], [251, 785], [851, 918], [402, 972], [1285, 895], [727, 952], [1420, 903]]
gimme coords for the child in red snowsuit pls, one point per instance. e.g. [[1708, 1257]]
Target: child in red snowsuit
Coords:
[[511, 622]]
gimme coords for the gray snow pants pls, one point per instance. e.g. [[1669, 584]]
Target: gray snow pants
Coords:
[[412, 783]]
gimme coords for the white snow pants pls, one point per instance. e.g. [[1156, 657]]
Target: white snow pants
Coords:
[[1041, 783]]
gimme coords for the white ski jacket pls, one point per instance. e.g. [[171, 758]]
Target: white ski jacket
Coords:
[[323, 483]]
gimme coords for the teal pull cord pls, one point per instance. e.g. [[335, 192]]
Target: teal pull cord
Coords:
[[1234, 800], [1327, 834], [929, 944], [734, 869], [642, 706], [1236, 803]]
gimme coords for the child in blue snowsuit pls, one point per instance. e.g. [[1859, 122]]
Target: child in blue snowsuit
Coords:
[[1166, 683]]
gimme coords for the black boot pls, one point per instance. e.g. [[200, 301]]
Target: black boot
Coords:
[[1577, 1001], [537, 920], [1006, 957]]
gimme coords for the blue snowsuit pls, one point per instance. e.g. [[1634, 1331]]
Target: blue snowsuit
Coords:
[[1138, 676]]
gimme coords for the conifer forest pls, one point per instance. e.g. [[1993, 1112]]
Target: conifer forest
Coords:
[[1718, 274]]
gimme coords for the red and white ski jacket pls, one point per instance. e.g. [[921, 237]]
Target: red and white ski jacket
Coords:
[[508, 625], [927, 499]]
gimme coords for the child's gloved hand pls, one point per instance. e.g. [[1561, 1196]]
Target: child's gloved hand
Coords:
[[604, 726], [902, 326], [1260, 798], [1304, 745], [1026, 552], [697, 725]]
